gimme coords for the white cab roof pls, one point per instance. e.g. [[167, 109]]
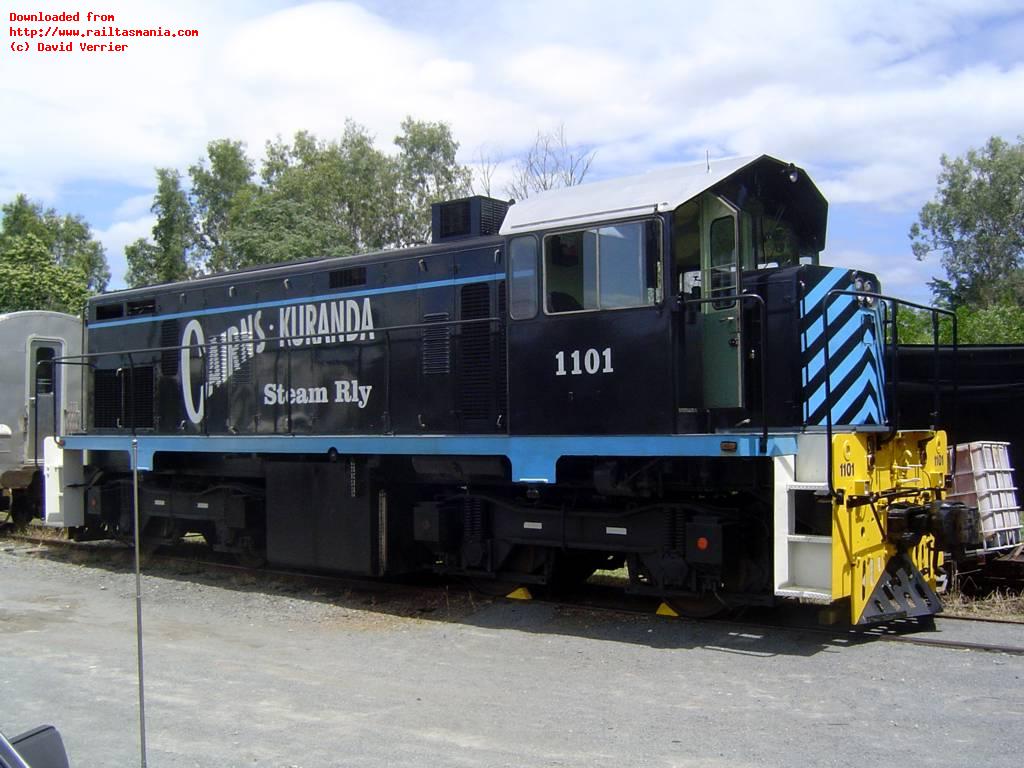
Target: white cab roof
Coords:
[[661, 190]]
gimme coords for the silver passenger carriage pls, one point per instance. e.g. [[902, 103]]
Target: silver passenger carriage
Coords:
[[38, 398]]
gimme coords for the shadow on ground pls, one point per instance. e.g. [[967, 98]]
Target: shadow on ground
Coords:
[[766, 633]]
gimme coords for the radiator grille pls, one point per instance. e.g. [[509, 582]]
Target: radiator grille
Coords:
[[347, 278], [455, 219], [501, 355], [492, 214], [476, 361], [123, 398]]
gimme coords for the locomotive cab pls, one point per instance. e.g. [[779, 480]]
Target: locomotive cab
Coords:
[[755, 226]]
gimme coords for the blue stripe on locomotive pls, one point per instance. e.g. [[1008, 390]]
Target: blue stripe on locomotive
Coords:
[[533, 459], [354, 292]]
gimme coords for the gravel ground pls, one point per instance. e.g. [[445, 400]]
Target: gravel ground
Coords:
[[241, 672]]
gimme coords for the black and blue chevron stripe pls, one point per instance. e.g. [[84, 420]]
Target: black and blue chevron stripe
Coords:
[[856, 376]]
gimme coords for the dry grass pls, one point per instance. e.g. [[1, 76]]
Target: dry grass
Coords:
[[1001, 604]]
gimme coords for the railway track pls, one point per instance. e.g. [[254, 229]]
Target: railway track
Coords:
[[600, 599]]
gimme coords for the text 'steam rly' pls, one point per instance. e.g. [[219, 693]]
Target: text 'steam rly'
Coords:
[[310, 324]]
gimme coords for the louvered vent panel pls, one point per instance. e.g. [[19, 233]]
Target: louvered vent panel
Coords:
[[169, 357], [492, 214], [347, 278], [437, 345], [106, 399], [501, 356], [476, 363]]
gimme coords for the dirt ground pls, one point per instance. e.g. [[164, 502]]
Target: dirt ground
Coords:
[[241, 672]]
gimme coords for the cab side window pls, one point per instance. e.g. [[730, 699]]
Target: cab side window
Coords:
[[523, 278], [570, 271], [610, 267]]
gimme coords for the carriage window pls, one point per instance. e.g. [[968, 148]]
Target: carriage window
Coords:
[[44, 370], [723, 259], [523, 278], [605, 268]]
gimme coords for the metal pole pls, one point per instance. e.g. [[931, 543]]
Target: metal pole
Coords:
[[138, 598]]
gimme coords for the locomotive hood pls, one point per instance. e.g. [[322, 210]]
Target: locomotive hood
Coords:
[[659, 191]]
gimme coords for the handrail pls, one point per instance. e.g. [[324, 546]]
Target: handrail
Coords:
[[896, 303], [215, 344], [35, 410], [762, 309]]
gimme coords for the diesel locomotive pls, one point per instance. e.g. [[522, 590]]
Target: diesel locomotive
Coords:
[[652, 373]]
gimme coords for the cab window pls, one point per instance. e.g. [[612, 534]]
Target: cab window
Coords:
[[523, 280], [723, 259], [610, 267]]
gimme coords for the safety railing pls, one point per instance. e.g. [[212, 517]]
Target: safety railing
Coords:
[[763, 317], [129, 408], [892, 382]]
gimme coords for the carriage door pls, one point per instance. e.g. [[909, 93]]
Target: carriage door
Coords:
[[43, 396], [720, 269]]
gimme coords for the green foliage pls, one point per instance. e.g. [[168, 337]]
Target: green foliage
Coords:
[[47, 261], [167, 259], [311, 198], [428, 173], [30, 278], [996, 324], [976, 224], [215, 186], [67, 238]]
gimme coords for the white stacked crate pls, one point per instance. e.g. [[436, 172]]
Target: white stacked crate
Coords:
[[983, 478]]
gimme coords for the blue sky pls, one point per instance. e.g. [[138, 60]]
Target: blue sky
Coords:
[[865, 95]]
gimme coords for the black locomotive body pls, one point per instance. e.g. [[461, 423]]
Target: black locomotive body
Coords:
[[654, 373]]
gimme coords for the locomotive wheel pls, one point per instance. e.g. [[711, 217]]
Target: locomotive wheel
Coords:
[[250, 552], [22, 509]]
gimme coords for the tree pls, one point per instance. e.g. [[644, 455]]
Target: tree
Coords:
[[549, 164], [976, 225], [312, 201], [67, 238], [30, 278], [312, 198], [170, 257], [215, 185], [996, 324], [482, 180], [428, 173], [335, 198]]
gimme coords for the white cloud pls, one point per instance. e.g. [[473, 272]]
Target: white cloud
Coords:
[[134, 207], [866, 95], [900, 275], [116, 237]]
